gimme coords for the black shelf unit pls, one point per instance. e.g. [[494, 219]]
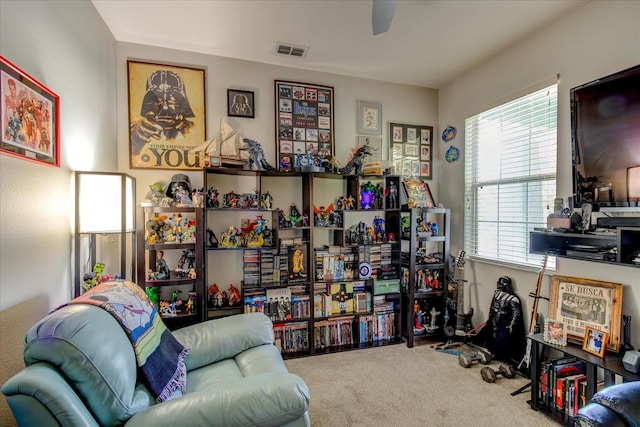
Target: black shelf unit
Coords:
[[619, 246], [606, 368], [147, 261], [413, 295]]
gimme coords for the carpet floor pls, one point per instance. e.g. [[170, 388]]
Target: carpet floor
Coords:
[[400, 386]]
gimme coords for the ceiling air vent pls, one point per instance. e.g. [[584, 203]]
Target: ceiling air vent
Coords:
[[291, 49]]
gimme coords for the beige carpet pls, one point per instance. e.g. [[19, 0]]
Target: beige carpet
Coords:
[[399, 386]]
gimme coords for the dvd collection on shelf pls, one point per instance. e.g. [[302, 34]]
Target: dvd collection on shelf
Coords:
[[563, 386]]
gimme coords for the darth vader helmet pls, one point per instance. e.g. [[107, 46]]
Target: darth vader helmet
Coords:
[[504, 284], [179, 183], [166, 99]]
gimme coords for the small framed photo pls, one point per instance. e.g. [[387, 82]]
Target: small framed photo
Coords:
[[29, 116], [215, 161], [369, 118], [595, 341], [555, 332], [240, 103]]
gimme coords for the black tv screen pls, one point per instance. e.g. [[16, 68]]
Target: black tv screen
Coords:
[[605, 131]]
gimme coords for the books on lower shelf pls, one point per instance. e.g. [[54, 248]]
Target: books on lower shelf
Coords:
[[563, 386], [291, 337]]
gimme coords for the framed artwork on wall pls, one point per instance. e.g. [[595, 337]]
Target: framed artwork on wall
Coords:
[[584, 303], [30, 117], [375, 142], [411, 150], [304, 124], [167, 116], [369, 118], [240, 103]]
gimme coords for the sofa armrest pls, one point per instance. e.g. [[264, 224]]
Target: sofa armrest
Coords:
[[39, 395], [224, 338], [267, 400]]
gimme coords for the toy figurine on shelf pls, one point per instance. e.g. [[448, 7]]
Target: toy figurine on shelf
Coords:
[[234, 296], [379, 232], [322, 215], [163, 272], [212, 198], [392, 190], [267, 201], [283, 222], [294, 215], [153, 292], [434, 317], [230, 238], [367, 195], [212, 294]]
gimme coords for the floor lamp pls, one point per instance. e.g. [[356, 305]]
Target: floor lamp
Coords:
[[104, 205]]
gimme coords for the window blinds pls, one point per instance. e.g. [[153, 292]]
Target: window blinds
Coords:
[[510, 176]]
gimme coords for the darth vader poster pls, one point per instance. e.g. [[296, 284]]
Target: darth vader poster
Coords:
[[167, 119]]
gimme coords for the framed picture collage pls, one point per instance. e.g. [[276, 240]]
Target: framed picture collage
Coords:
[[304, 124], [411, 149]]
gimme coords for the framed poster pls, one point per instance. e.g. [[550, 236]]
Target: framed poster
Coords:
[[583, 303], [369, 118], [30, 117], [304, 124], [167, 116], [411, 150], [240, 103]]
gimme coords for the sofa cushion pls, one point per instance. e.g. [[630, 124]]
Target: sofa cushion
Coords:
[[73, 339], [213, 375], [623, 399]]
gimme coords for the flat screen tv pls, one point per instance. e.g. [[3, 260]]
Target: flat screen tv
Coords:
[[605, 131]]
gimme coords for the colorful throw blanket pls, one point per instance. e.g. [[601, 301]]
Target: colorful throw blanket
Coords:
[[159, 355]]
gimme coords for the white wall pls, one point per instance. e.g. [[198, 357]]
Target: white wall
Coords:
[[400, 103], [65, 46], [596, 40]]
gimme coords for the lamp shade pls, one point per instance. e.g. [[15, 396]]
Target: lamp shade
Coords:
[[633, 184], [104, 202]]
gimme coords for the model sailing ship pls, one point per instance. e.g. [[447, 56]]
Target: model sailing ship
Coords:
[[228, 141]]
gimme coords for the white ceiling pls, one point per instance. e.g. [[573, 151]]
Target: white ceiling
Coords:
[[429, 43]]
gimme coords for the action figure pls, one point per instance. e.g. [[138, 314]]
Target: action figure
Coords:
[[163, 268], [504, 334]]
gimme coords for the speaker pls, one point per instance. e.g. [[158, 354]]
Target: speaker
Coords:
[[631, 361]]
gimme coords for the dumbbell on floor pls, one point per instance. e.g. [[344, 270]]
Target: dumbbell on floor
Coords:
[[466, 360], [491, 376]]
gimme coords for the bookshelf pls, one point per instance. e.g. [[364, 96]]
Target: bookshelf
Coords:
[[355, 229], [424, 272], [606, 371], [177, 246], [326, 273]]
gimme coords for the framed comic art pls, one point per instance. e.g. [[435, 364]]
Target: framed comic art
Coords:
[[369, 118], [304, 124], [583, 303], [240, 103], [595, 341], [30, 117], [411, 150], [167, 116], [375, 142], [418, 193]]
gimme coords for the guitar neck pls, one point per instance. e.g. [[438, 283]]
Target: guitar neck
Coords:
[[460, 280]]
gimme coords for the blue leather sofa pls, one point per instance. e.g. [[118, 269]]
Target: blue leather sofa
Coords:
[[81, 371], [614, 406]]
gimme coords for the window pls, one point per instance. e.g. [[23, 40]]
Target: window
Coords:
[[510, 177]]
